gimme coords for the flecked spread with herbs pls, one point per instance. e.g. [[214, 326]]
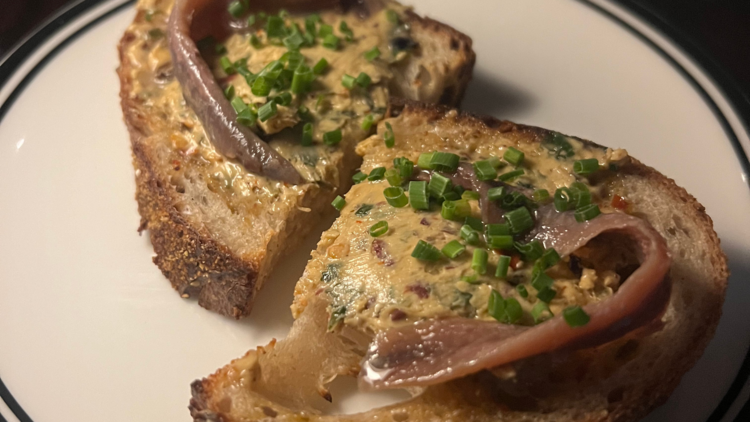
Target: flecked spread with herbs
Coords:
[[408, 248], [311, 85]]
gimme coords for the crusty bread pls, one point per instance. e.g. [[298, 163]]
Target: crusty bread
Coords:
[[619, 381], [206, 248]]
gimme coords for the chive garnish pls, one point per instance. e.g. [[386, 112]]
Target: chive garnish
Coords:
[[540, 195], [359, 177], [470, 235], [484, 170], [502, 242], [307, 134], [331, 42], [425, 160], [474, 223], [344, 29], [418, 195], [586, 166], [367, 122], [496, 193], [339, 203], [395, 196], [388, 136], [503, 264], [347, 81], [540, 312], [519, 220], [333, 137], [247, 117], [497, 229], [302, 79], [513, 156], [575, 316], [393, 177], [587, 212], [521, 289], [546, 295], [267, 111], [425, 252], [372, 54], [227, 66], [444, 161], [439, 185], [320, 66], [275, 27], [531, 251], [405, 167], [237, 8], [364, 80], [238, 105], [376, 174], [378, 229], [453, 249], [455, 210], [562, 199], [470, 195], [542, 281], [479, 261], [506, 177]]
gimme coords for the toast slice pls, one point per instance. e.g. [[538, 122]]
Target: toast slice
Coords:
[[216, 229], [622, 380]]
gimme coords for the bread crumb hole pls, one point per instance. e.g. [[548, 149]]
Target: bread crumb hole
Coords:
[[269, 412], [400, 416]]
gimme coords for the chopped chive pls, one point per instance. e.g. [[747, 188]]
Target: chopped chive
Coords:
[[542, 281], [471, 279], [325, 30], [378, 229], [453, 249], [540, 312], [586, 166], [376, 174], [426, 252], [519, 220], [502, 242], [247, 117], [283, 14], [347, 81], [294, 41], [392, 16], [546, 295], [549, 258], [331, 42], [496, 193], [418, 195], [484, 170], [302, 79], [587, 212], [393, 177], [439, 185], [404, 166], [521, 289], [238, 105], [388, 136], [372, 54], [367, 122], [575, 316], [513, 311], [470, 235], [267, 111], [320, 66], [425, 160], [359, 177], [261, 87], [502, 266], [496, 163], [275, 27], [237, 8], [513, 156], [220, 48], [307, 134], [506, 177], [344, 29], [251, 20], [479, 261], [339, 203], [395, 196], [531, 251], [474, 223], [470, 195], [229, 92], [455, 210], [333, 137], [227, 66], [562, 199], [452, 195], [364, 80], [444, 161], [284, 99], [255, 42], [499, 229], [540, 195], [496, 305]]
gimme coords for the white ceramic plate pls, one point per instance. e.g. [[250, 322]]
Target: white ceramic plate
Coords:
[[89, 328]]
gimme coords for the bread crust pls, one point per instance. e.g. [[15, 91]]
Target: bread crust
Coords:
[[618, 382], [199, 265]]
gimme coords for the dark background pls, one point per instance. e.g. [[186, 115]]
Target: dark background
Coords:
[[718, 30]]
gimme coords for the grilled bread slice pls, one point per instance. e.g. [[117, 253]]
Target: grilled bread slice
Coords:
[[621, 380], [218, 230]]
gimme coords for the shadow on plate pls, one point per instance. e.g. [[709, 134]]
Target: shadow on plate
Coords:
[[488, 95]]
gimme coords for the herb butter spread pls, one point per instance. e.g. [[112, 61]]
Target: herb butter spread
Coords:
[[444, 261]]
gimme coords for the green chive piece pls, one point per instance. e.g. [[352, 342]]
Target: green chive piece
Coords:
[[542, 281], [521, 289], [444, 161], [261, 87], [470, 195], [283, 14], [503, 264], [455, 210], [562, 199], [320, 66], [540, 195], [373, 54], [229, 92], [284, 99], [267, 111], [471, 279], [405, 166], [453, 249], [474, 223], [425, 160], [439, 185], [587, 213], [519, 220], [451, 195], [540, 312], [513, 156], [496, 163], [513, 311], [376, 174], [344, 29], [496, 193], [251, 20], [506, 177], [237, 8], [388, 136], [325, 30], [418, 195], [426, 252], [395, 196], [227, 66], [302, 79], [367, 122], [333, 137], [502, 242], [331, 42], [392, 16], [586, 166], [496, 305], [393, 177], [546, 295], [275, 27], [498, 229], [294, 41], [238, 105], [531, 251], [220, 48], [347, 81], [575, 316], [484, 170], [307, 135], [339, 203], [549, 258], [247, 117], [364, 80], [479, 261], [255, 42], [359, 177], [470, 235], [378, 229]]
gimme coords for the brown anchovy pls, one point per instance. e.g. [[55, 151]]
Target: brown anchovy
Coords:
[[437, 350], [204, 96]]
